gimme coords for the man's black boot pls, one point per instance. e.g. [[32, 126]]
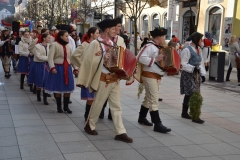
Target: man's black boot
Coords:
[[158, 126], [142, 116]]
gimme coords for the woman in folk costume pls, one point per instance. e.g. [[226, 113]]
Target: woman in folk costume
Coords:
[[192, 65], [34, 36], [234, 51], [60, 79], [23, 64], [40, 69], [150, 75], [76, 60], [95, 76], [208, 42]]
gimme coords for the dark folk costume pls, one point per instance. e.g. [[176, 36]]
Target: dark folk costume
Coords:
[[192, 68], [150, 75], [6, 52]]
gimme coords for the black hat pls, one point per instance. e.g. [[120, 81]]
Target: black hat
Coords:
[[160, 31], [119, 20], [107, 23], [64, 27]]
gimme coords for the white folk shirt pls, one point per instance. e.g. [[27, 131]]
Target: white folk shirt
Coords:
[[72, 43], [147, 58], [186, 55]]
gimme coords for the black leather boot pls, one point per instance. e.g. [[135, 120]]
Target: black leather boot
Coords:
[[31, 87], [22, 80], [65, 105], [59, 104], [45, 95], [87, 110], [158, 127], [101, 116], [142, 116], [185, 112], [34, 89], [109, 114], [39, 95]]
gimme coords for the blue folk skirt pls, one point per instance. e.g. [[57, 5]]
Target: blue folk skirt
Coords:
[[31, 71], [40, 74], [23, 65], [55, 82], [86, 95]]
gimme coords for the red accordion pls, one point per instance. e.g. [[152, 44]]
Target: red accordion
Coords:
[[171, 63], [122, 62]]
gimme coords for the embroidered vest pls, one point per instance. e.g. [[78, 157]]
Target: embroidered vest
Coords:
[[195, 59]]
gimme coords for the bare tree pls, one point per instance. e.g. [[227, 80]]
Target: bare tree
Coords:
[[103, 6], [133, 10]]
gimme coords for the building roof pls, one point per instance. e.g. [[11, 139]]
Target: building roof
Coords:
[[9, 6]]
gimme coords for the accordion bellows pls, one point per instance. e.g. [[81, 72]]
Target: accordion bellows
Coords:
[[122, 63]]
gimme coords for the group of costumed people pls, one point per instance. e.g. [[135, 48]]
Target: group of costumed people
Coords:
[[55, 65]]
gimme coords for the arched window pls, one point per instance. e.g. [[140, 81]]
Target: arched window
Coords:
[[215, 16], [155, 21], [145, 25], [188, 24], [168, 26]]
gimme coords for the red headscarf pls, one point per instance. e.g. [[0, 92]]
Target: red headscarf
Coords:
[[85, 38]]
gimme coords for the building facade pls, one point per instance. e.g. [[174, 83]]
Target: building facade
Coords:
[[6, 8]]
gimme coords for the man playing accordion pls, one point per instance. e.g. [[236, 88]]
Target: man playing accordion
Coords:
[[150, 74], [95, 76]]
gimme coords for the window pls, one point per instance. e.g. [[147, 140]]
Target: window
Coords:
[[168, 26], [191, 3], [188, 25], [145, 26], [215, 16], [155, 21]]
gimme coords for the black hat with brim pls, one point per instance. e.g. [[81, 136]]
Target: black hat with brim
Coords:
[[119, 20], [158, 32], [107, 23], [64, 27]]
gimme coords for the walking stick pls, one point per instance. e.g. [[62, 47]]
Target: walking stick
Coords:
[[195, 102]]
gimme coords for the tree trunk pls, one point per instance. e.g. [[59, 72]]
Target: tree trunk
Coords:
[[135, 35]]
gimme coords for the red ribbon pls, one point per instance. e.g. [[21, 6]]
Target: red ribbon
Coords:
[[65, 65]]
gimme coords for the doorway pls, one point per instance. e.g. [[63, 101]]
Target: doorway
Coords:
[[188, 27]]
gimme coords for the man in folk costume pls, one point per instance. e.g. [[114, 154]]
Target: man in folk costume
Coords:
[[95, 76], [6, 50], [150, 74], [120, 42]]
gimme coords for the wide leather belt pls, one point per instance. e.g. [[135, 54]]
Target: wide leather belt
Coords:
[[151, 75], [108, 78]]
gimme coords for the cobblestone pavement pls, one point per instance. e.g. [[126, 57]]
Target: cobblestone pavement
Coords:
[[30, 130]]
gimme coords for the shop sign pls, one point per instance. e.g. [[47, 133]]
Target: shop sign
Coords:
[[171, 14]]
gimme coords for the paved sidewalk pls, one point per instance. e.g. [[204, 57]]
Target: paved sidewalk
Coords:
[[30, 130]]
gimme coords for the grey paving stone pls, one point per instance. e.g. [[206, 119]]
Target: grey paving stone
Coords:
[[5, 112], [84, 156], [52, 122], [210, 128], [202, 138], [23, 111], [126, 154], [4, 106], [159, 153], [8, 141], [101, 135], [145, 143], [35, 139], [77, 147], [9, 152], [69, 137], [6, 123], [173, 140], [221, 149], [53, 116], [5, 102], [231, 157], [7, 132], [50, 157], [39, 150], [106, 145], [28, 123], [63, 128], [205, 158], [227, 137], [191, 151], [186, 130], [16, 117], [31, 130], [136, 133]]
